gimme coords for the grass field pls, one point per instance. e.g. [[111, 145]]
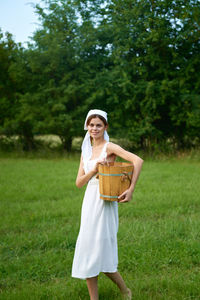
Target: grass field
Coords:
[[158, 239]]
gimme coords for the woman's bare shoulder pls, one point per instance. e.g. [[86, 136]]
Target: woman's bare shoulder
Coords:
[[112, 147], [119, 151]]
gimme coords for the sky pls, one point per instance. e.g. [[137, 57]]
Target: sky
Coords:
[[18, 18]]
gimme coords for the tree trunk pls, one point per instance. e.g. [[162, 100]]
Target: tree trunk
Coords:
[[67, 143], [28, 143]]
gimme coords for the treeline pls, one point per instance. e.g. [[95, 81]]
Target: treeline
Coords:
[[138, 60]]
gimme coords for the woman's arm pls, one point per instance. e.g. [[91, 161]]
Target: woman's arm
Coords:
[[135, 160], [83, 178]]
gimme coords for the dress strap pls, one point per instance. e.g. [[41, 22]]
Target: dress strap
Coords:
[[104, 153]]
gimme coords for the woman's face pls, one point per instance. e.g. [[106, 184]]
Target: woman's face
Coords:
[[96, 128]]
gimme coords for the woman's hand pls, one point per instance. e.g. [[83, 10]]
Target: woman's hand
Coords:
[[125, 196], [99, 161]]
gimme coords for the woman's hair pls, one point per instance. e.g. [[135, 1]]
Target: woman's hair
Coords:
[[96, 116]]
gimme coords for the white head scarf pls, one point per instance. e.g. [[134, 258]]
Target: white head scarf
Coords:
[[86, 145]]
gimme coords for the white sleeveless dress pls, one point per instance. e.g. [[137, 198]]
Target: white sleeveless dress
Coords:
[[96, 246]]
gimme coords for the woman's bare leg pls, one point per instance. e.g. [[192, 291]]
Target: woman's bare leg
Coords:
[[92, 284], [119, 281]]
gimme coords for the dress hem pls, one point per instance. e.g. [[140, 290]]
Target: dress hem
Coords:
[[90, 276]]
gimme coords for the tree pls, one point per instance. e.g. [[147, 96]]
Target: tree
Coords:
[[155, 52], [54, 64], [138, 60]]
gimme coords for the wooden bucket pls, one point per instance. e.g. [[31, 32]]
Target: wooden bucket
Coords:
[[114, 179]]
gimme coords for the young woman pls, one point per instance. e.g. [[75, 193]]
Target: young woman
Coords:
[[96, 246]]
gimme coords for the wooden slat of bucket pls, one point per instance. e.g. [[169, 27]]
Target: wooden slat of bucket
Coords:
[[100, 184], [107, 183], [112, 185]]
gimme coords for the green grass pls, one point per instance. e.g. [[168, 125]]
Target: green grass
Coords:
[[158, 240]]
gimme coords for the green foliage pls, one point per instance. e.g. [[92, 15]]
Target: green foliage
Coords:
[[138, 60]]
